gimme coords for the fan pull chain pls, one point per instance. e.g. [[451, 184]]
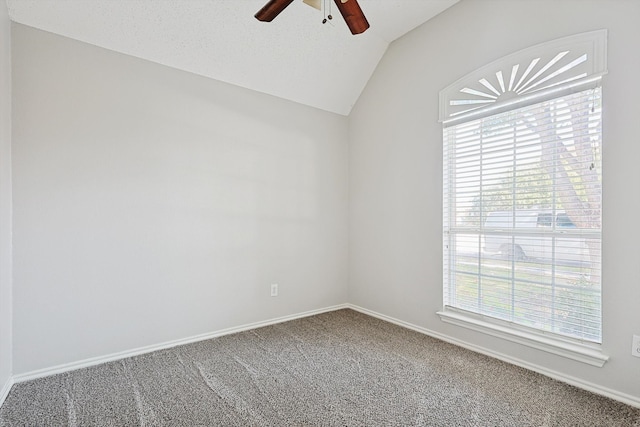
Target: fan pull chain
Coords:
[[324, 9]]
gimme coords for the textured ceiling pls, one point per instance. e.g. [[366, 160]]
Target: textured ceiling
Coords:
[[295, 57]]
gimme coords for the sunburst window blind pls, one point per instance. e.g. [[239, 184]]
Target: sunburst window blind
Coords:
[[523, 189]]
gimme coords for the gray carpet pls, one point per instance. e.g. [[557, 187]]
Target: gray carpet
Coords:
[[335, 369]]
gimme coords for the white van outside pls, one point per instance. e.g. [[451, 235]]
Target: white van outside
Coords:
[[534, 236]]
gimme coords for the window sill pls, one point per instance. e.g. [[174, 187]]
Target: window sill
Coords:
[[565, 348]]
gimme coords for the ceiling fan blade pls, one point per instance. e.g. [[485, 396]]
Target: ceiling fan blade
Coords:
[[353, 16], [314, 3], [272, 9]]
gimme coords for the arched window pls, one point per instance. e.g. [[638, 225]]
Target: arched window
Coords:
[[523, 196]]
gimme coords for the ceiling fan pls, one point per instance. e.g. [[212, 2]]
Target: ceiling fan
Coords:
[[350, 10]]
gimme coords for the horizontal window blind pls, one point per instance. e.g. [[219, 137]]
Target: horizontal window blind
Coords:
[[522, 215]]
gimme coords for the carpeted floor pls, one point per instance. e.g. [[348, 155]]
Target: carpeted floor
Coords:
[[335, 369]]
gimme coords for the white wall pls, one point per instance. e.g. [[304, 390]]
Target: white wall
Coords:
[[395, 163], [5, 200], [152, 205]]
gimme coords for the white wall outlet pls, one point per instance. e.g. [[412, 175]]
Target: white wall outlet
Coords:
[[635, 349], [274, 289]]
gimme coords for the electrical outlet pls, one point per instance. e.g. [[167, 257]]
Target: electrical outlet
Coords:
[[635, 349], [274, 289]]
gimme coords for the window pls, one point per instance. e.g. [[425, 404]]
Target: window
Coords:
[[523, 189]]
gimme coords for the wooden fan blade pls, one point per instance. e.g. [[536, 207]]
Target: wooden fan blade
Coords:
[[353, 16], [272, 9]]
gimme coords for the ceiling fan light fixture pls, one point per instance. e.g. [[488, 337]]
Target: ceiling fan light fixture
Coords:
[[353, 16], [272, 9], [314, 3]]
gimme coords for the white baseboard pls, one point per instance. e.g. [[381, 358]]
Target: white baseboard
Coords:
[[585, 385], [41, 373], [6, 388]]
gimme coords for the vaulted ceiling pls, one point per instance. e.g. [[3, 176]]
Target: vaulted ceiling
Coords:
[[295, 57]]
